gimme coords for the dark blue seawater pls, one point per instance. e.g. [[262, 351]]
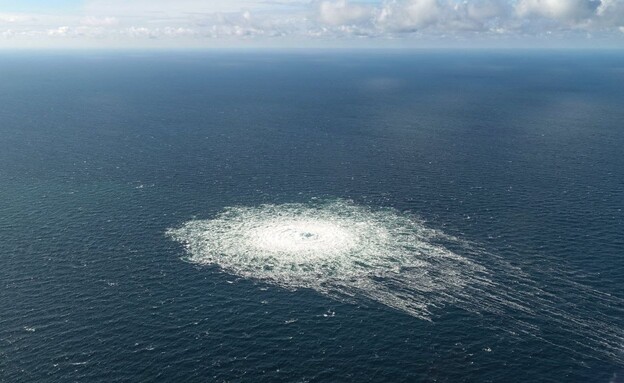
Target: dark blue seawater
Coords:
[[519, 153]]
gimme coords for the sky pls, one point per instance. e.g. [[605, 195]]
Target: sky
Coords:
[[108, 24]]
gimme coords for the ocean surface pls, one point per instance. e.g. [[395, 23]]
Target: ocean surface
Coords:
[[312, 216]]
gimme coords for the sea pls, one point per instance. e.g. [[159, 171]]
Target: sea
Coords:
[[312, 216]]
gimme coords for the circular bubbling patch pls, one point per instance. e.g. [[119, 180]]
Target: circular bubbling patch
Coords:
[[352, 252], [303, 237], [337, 248]]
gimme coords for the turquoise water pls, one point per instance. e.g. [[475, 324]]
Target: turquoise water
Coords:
[[428, 216]]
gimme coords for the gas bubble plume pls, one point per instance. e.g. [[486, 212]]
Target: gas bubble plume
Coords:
[[354, 253], [336, 248]]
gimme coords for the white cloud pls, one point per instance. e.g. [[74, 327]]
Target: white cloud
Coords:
[[60, 31], [557, 9], [178, 32], [475, 16], [138, 32], [409, 15], [342, 12], [99, 21], [611, 13], [7, 33], [11, 18], [486, 10], [445, 17], [295, 22]]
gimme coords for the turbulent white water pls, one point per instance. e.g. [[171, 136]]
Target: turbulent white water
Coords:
[[352, 252], [336, 248]]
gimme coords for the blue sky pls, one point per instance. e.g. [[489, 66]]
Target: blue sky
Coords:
[[39, 5], [311, 23]]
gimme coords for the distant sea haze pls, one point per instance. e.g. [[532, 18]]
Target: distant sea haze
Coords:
[[332, 216]]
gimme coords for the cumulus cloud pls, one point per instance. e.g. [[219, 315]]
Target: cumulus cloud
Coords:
[[202, 23], [342, 12], [409, 15], [558, 9], [611, 13], [441, 16], [99, 21], [60, 31]]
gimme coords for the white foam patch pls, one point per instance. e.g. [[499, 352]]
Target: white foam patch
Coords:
[[336, 248], [353, 252]]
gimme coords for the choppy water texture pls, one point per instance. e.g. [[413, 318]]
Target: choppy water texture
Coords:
[[318, 217], [352, 252]]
